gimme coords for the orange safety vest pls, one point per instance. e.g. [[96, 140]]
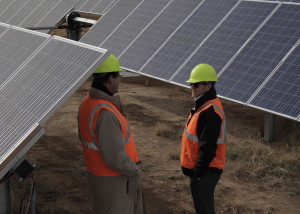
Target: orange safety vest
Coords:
[[87, 118], [190, 141]]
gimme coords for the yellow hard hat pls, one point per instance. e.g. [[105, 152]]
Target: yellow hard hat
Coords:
[[111, 64], [203, 73]]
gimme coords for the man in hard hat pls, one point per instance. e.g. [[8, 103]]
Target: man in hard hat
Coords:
[[109, 151], [203, 146]]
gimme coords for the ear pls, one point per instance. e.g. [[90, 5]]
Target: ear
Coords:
[[109, 80], [208, 86]]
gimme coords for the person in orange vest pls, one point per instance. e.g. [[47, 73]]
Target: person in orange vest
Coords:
[[108, 147], [203, 145]]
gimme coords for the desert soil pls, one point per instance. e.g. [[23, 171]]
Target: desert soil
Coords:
[[60, 174]]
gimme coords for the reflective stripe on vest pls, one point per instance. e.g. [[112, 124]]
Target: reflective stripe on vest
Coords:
[[92, 145], [194, 138]]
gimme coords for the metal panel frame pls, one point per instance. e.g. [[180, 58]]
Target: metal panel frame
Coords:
[[26, 137]]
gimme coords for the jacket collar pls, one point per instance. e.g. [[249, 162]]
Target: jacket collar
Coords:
[[210, 95], [101, 95]]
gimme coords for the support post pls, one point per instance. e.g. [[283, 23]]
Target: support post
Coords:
[[269, 128], [74, 34], [5, 197]]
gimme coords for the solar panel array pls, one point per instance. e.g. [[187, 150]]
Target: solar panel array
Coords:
[[38, 73], [251, 44], [34, 13]]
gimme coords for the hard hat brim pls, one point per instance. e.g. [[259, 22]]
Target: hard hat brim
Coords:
[[191, 81]]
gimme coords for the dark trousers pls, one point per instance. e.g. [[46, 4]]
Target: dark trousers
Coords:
[[203, 191]]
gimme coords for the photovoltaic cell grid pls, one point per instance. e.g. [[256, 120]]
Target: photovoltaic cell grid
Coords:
[[107, 23], [133, 26], [228, 38], [15, 47], [187, 38], [16, 11], [57, 13], [34, 13], [141, 50], [41, 85], [94, 6], [38, 13], [282, 92], [102, 6], [261, 55]]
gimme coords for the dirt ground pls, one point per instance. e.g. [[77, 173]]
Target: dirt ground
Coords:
[[157, 112]]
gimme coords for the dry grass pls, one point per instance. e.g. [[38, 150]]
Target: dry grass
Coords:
[[162, 129], [277, 163]]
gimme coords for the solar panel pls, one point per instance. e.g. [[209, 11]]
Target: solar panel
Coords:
[[34, 13], [187, 38], [3, 27], [107, 23], [11, 9], [104, 6], [227, 39], [156, 34], [39, 86], [20, 11], [4, 5], [94, 6], [16, 47], [125, 34], [57, 13], [261, 55], [80, 4], [281, 94]]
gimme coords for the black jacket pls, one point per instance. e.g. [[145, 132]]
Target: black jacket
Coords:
[[208, 130]]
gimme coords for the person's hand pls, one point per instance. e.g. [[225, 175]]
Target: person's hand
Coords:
[[187, 172]]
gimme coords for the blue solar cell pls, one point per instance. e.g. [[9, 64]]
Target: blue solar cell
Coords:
[[156, 34], [282, 92], [228, 38], [133, 25], [261, 55], [180, 46], [109, 22]]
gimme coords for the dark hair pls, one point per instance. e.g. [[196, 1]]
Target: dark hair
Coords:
[[212, 83], [100, 78]]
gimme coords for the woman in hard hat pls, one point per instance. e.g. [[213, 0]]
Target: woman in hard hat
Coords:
[[109, 151], [203, 141]]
